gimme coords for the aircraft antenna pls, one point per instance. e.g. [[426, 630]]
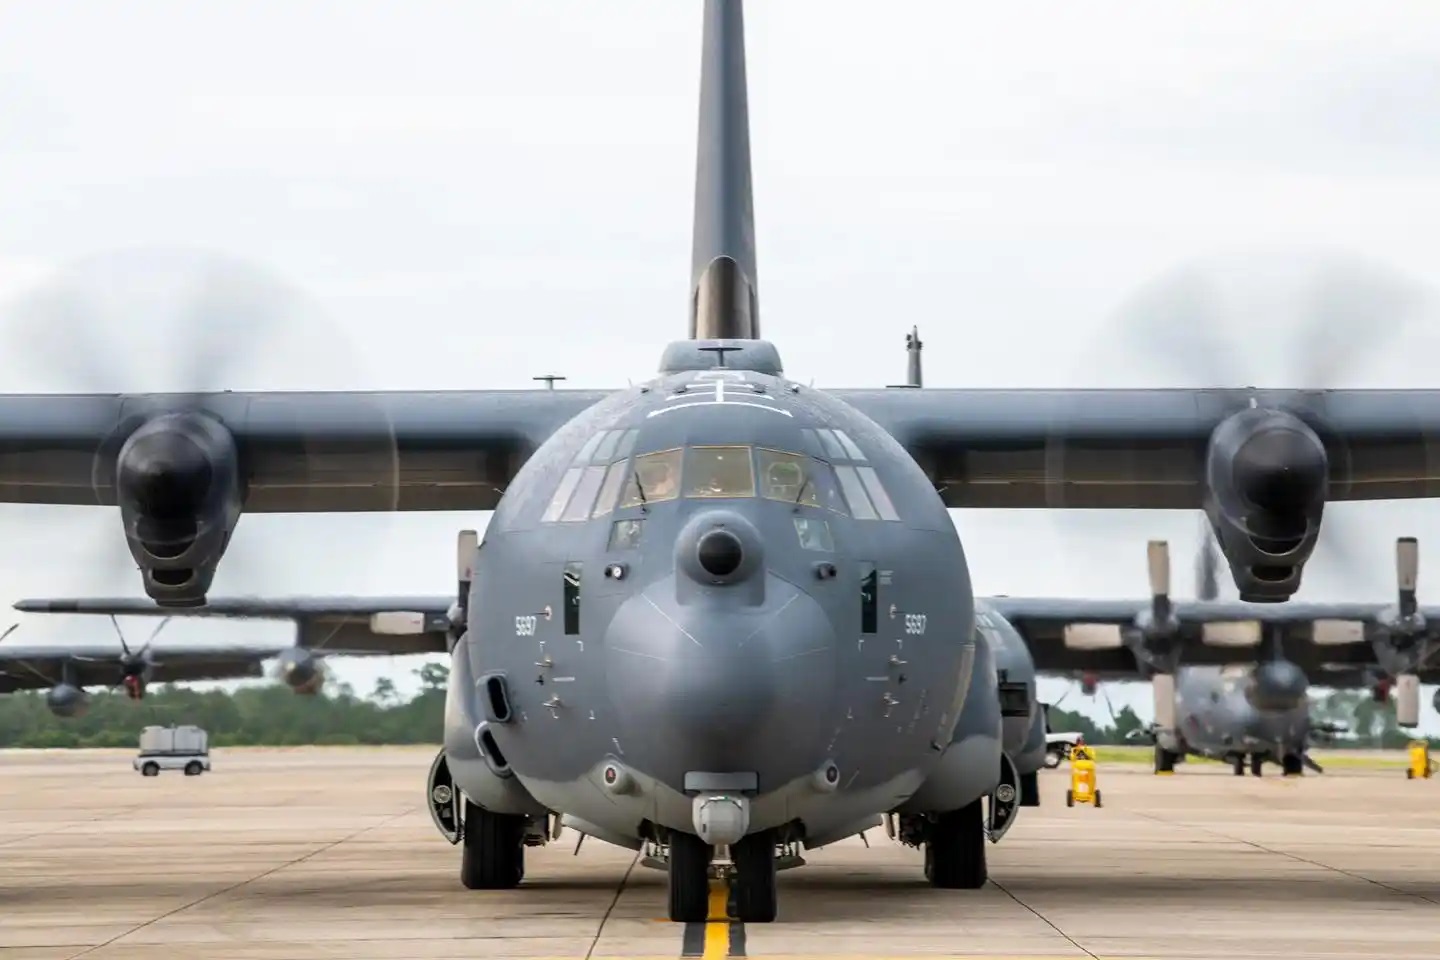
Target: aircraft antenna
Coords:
[[724, 295], [913, 346]]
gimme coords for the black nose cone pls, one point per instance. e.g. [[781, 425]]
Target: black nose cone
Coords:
[[720, 553]]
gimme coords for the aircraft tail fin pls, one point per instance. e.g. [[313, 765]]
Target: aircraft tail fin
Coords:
[[724, 293]]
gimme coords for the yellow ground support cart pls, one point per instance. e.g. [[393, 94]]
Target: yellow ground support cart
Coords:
[[1082, 777], [1421, 766]]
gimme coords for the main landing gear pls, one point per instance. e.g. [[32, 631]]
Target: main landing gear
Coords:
[[1165, 760], [954, 844], [493, 853], [754, 894]]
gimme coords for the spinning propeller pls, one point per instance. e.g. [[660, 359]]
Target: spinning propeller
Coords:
[[108, 323], [135, 665]]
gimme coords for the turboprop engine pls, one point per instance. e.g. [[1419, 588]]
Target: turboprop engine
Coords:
[[1266, 476], [178, 485], [302, 670], [67, 700]]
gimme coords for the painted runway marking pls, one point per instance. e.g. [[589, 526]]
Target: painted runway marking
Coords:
[[719, 936]]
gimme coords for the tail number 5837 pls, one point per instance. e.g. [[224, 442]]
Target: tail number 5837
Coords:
[[915, 623], [525, 626]]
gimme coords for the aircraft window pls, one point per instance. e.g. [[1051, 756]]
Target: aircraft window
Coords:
[[788, 477], [876, 489], [584, 497], [606, 449], [833, 450], [572, 597], [814, 534], [610, 489], [811, 443], [850, 449], [656, 478], [562, 495], [869, 598], [627, 444], [625, 534], [583, 454], [719, 472], [855, 493]]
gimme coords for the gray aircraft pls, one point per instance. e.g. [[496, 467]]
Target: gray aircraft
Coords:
[[65, 670], [723, 612]]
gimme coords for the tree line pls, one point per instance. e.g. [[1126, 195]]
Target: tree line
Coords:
[[274, 716]]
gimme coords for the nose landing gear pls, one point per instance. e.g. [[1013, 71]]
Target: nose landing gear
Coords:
[[754, 860]]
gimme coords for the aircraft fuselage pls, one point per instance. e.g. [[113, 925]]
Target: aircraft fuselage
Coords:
[[778, 609], [1215, 718]]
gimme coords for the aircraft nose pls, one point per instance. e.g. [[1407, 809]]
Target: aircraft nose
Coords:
[[722, 685], [719, 548]]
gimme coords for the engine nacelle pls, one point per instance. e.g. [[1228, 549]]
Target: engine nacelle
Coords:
[[1266, 476], [67, 700], [301, 670], [177, 480]]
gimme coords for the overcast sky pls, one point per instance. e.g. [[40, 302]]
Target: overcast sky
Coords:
[[467, 195]]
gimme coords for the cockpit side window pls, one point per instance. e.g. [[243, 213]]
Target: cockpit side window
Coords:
[[855, 493], [656, 477], [606, 449], [851, 450], [583, 499], [610, 489], [833, 450], [719, 472], [878, 496], [562, 495]]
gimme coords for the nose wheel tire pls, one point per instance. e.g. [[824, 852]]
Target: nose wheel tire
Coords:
[[1257, 764], [1292, 765], [689, 878], [493, 853], [955, 851], [756, 897], [1239, 765]]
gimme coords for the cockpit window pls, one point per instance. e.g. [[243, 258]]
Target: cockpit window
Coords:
[[562, 495], [627, 444], [625, 534], [833, 450], [878, 496], [796, 479], [851, 450], [582, 456], [610, 489], [584, 496], [814, 534], [719, 472], [606, 449], [656, 477], [855, 493]]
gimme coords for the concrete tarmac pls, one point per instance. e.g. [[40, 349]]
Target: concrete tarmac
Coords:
[[308, 853]]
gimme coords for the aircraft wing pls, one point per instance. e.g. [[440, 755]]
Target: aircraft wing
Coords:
[[1332, 642], [377, 625], [39, 666], [301, 452], [1142, 449]]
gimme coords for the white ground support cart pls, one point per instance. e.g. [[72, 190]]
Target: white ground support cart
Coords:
[[184, 748]]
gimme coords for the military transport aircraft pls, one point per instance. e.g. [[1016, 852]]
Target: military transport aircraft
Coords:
[[65, 670], [698, 597]]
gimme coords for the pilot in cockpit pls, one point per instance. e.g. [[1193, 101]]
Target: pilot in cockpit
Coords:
[[784, 480], [656, 478]]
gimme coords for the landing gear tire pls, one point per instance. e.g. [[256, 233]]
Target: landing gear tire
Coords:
[[1029, 789], [689, 878], [1257, 764], [1292, 765], [955, 852], [151, 769], [755, 897], [1238, 762], [1164, 760], [493, 852]]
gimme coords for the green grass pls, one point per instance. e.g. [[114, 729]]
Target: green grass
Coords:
[[1342, 759]]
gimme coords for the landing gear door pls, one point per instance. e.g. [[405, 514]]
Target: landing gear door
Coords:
[[1004, 803], [443, 799]]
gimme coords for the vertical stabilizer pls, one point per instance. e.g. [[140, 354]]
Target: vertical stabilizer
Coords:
[[725, 301]]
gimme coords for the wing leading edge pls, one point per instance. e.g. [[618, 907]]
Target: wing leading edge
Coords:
[[354, 451], [371, 625]]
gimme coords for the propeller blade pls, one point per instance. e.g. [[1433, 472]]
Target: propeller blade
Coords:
[[1407, 573], [153, 634], [125, 647], [1157, 560], [9, 630]]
